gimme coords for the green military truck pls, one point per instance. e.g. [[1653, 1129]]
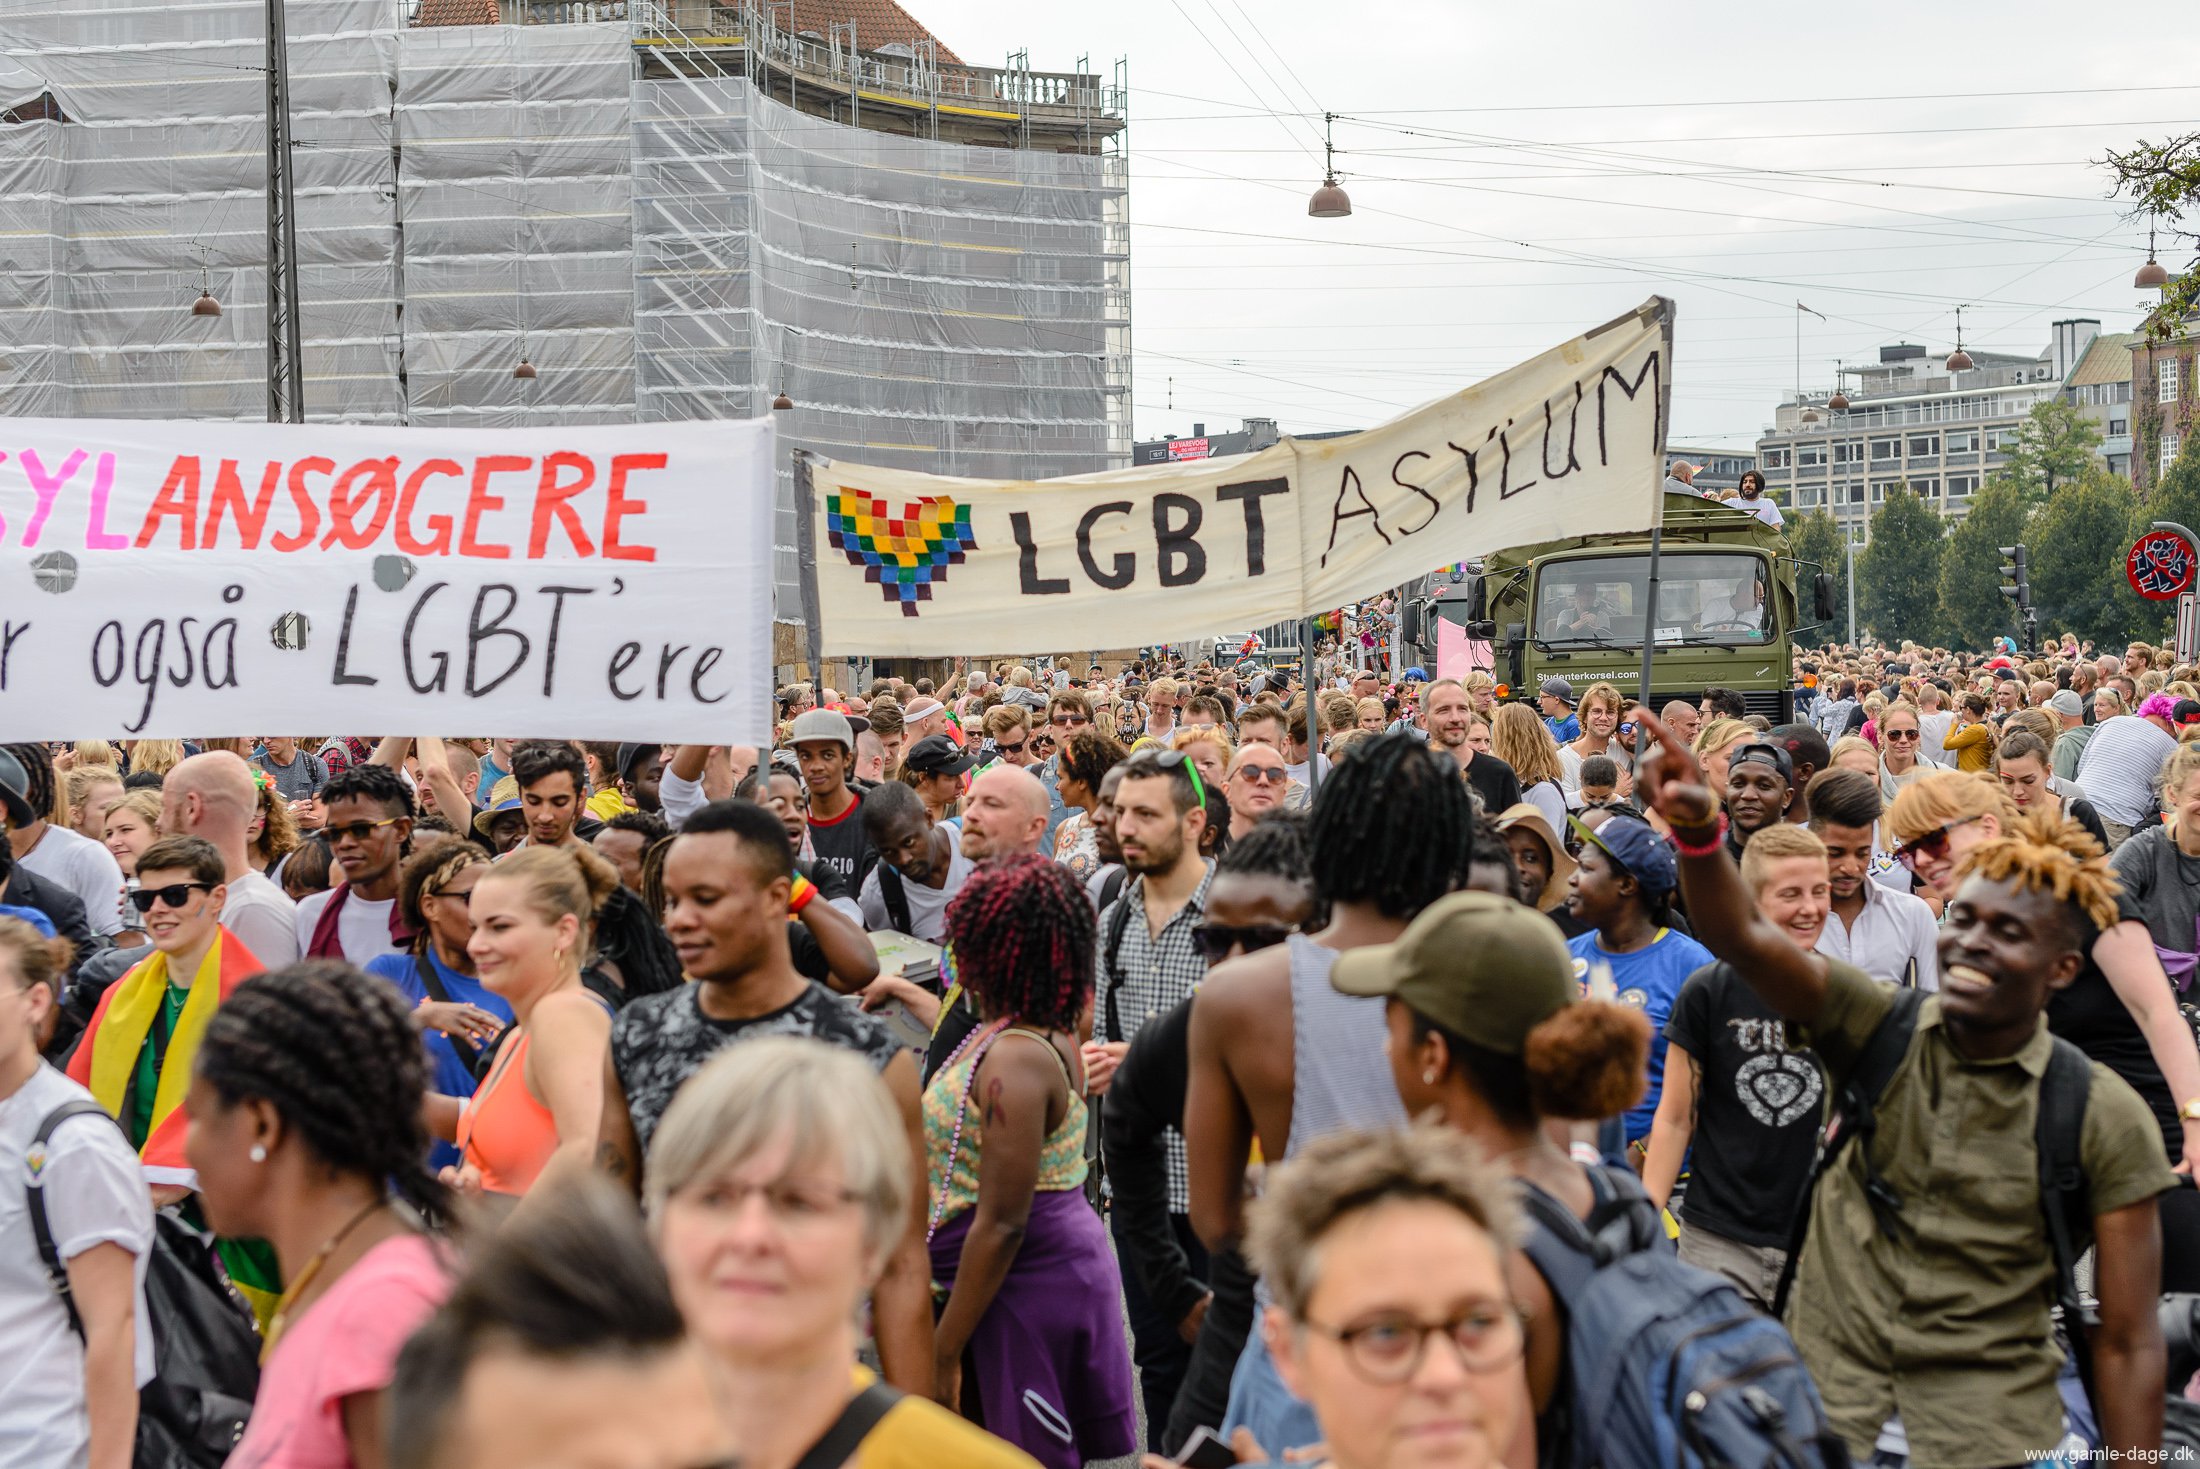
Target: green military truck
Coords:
[[1729, 603]]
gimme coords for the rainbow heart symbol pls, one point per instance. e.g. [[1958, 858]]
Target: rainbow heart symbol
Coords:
[[903, 555]]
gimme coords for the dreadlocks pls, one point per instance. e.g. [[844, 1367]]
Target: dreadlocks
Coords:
[[37, 762], [1275, 847], [1392, 828], [1023, 934], [2046, 852], [335, 1053]]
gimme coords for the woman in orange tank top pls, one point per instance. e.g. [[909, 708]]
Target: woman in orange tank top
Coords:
[[534, 924]]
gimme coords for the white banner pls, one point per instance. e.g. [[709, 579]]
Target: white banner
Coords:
[[227, 579], [1569, 443]]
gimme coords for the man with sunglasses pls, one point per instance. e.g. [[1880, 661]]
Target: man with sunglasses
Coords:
[[369, 830], [1256, 786]]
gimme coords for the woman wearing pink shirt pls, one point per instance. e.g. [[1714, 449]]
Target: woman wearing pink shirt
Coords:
[[305, 1131]]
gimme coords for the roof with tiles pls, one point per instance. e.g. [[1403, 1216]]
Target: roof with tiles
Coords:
[[458, 13], [878, 23]]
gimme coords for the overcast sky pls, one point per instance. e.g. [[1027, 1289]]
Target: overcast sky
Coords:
[[1519, 173]]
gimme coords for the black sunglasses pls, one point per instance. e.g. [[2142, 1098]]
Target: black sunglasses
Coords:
[[175, 895], [1215, 940]]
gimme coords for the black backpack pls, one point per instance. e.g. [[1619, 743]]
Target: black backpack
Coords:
[[896, 899], [2058, 1136], [206, 1349]]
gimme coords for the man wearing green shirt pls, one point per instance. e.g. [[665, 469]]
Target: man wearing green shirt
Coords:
[[1940, 1315]]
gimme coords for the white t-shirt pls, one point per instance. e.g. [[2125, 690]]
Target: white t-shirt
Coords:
[[362, 927], [1932, 729], [1761, 507], [262, 915], [927, 905], [87, 869], [95, 1194]]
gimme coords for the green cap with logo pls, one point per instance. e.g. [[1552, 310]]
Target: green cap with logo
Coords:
[[1485, 968]]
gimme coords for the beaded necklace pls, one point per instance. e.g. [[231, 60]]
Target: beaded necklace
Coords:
[[988, 1034]]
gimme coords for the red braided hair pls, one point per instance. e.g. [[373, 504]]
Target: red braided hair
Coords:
[[1023, 937]]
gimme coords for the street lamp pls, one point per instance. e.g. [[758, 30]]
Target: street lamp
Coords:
[[2151, 275], [1960, 360], [1329, 201], [1839, 402]]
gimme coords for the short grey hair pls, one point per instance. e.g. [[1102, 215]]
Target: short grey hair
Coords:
[[827, 1101]]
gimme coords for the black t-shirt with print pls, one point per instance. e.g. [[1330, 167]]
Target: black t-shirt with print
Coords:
[[842, 848], [1759, 1105], [659, 1041]]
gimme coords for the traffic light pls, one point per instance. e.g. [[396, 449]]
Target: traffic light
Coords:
[[2016, 582]]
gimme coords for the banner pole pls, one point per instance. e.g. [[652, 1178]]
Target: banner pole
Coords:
[[1650, 614], [805, 540], [1313, 720]]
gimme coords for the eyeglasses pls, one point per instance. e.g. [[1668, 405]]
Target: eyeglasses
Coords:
[[359, 831], [1016, 749], [1068, 720], [1388, 1350], [790, 1205], [1900, 736], [1264, 775], [1932, 846], [457, 895], [175, 895], [1159, 762], [1215, 940]]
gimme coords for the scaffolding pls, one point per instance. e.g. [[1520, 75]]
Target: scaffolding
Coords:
[[621, 202]]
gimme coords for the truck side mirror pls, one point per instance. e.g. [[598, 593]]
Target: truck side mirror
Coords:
[[1486, 630], [1822, 593], [1478, 597], [1516, 633], [1409, 623]]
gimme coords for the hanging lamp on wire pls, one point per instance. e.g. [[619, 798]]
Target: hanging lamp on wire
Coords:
[[206, 305], [1329, 201], [782, 403], [2151, 275], [525, 372], [1960, 360], [1839, 402]]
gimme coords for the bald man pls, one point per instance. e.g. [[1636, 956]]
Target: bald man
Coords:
[[1004, 814], [1684, 719], [214, 796]]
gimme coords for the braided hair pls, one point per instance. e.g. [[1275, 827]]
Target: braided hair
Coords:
[[335, 1053], [426, 871], [1023, 934], [41, 791], [1392, 827]]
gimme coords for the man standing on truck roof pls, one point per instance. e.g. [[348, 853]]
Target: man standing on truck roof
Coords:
[[1753, 500]]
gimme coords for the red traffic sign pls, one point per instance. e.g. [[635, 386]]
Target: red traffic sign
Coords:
[[2161, 565]]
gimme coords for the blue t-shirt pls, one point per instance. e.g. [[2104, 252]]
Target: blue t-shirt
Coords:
[[447, 1072], [1565, 729], [1649, 980]]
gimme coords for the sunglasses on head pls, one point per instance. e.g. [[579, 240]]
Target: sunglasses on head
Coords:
[[1216, 940], [1932, 846], [175, 895], [1168, 760]]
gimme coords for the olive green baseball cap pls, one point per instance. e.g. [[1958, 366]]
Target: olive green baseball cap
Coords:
[[1485, 968]]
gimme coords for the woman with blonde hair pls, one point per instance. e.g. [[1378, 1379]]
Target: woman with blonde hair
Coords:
[[1900, 741], [92, 791], [155, 757], [1714, 743], [1369, 714], [1854, 752], [1210, 749], [2121, 1009], [777, 1187], [534, 919], [1519, 737], [96, 752]]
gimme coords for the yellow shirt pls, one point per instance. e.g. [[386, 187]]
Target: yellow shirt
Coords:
[[1973, 744], [607, 803], [917, 1434]]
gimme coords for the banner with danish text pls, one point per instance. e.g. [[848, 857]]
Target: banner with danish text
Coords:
[[1569, 443], [225, 579]]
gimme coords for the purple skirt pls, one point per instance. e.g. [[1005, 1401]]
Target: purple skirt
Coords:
[[1049, 1364]]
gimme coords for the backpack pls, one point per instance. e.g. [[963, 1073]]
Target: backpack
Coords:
[[2058, 1137], [206, 1349], [896, 899], [1665, 1363]]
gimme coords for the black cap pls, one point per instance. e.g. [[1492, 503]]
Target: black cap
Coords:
[[2185, 713], [1764, 752], [938, 755], [15, 787]]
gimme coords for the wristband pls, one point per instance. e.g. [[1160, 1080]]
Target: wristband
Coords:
[[1709, 847], [800, 894]]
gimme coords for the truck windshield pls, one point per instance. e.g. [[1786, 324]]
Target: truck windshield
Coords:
[[1703, 597]]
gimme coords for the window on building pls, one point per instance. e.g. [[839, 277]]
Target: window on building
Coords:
[[1856, 494], [1924, 446], [1848, 452], [1886, 448], [1963, 441], [1776, 459], [2119, 426], [2166, 379], [1926, 488], [2169, 453], [1999, 440], [1810, 455], [1960, 485], [1807, 498]]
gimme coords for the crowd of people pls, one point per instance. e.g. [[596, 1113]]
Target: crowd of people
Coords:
[[1060, 1064]]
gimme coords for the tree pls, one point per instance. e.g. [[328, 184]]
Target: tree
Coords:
[[1898, 573], [1814, 539], [2163, 181], [1972, 609], [2076, 543], [2054, 446]]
